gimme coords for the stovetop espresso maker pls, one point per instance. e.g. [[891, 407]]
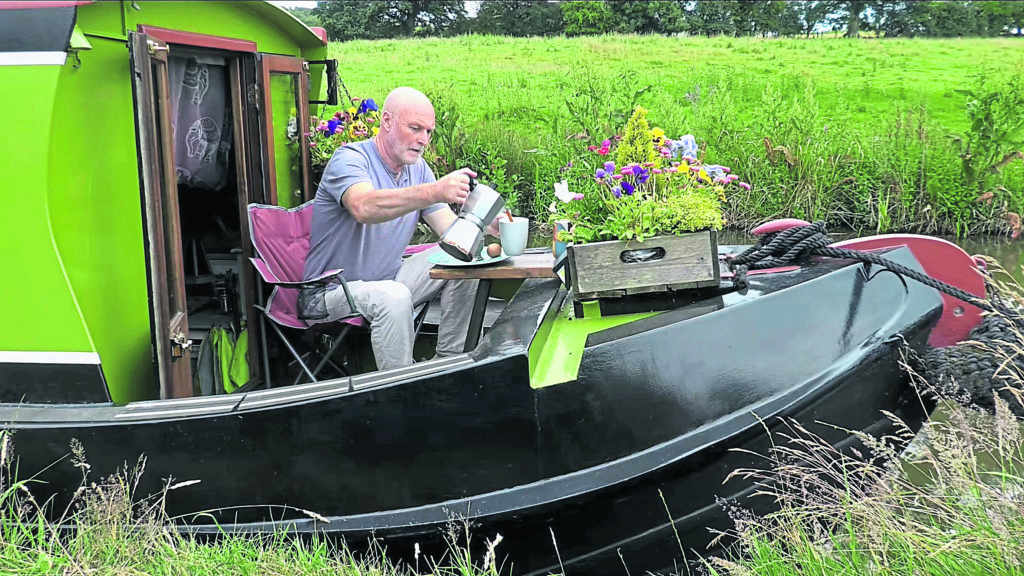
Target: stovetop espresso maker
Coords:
[[464, 239]]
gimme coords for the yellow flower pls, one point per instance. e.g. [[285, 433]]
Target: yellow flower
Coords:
[[375, 130], [352, 110]]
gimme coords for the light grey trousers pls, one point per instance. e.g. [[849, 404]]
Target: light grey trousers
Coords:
[[388, 306]]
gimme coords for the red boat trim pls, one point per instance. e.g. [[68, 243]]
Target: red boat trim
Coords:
[[201, 40], [321, 33]]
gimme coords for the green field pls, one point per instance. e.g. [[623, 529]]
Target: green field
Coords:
[[863, 126]]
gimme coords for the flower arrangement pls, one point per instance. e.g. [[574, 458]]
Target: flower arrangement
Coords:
[[353, 125], [638, 185]]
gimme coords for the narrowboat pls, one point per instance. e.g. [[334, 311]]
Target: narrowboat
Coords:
[[588, 434]]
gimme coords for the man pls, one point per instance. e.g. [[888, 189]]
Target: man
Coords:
[[370, 198]]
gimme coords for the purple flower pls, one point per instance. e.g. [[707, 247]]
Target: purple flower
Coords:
[[628, 188], [332, 125], [368, 105], [599, 173], [609, 167], [617, 191]]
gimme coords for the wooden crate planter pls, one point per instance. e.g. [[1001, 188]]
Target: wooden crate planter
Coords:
[[603, 269]]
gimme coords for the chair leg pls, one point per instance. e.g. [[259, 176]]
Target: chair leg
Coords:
[[326, 358], [292, 350], [263, 334], [337, 342]]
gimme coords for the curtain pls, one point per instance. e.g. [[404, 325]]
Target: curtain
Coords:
[[200, 120]]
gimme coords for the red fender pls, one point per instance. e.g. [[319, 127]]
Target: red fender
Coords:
[[778, 226], [940, 259], [943, 261]]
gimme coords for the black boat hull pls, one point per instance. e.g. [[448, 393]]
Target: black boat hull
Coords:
[[644, 435]]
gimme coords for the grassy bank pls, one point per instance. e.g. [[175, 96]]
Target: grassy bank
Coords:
[[866, 133]]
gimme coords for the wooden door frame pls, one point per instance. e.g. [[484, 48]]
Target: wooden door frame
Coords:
[[159, 194]]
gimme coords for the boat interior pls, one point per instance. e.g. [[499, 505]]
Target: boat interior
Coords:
[[227, 154]]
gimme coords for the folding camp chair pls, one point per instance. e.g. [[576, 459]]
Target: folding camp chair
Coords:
[[281, 239]]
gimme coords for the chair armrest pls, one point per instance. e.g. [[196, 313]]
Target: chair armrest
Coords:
[[270, 278]]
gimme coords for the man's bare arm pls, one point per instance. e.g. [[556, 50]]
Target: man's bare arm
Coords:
[[440, 220], [370, 206]]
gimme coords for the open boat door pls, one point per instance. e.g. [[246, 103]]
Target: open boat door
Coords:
[[160, 201], [285, 118]]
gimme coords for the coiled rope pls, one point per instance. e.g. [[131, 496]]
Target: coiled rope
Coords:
[[785, 247], [988, 364]]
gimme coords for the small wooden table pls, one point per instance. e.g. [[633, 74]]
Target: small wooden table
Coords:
[[528, 265]]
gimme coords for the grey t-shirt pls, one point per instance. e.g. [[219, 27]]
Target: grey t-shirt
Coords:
[[363, 251]]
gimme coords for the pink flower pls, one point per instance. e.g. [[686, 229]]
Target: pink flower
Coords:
[[577, 196], [616, 176], [744, 185], [606, 144], [657, 171], [603, 151]]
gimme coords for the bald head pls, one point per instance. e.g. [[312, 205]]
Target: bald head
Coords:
[[406, 99], [406, 123]]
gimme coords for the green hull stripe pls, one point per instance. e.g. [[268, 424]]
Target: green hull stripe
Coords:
[[556, 352]]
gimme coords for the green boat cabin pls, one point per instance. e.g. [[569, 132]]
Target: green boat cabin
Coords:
[[135, 135]]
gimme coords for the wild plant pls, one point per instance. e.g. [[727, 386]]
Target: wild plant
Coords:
[[948, 499]]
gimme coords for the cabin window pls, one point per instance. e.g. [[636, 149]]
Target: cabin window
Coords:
[[284, 95], [286, 109]]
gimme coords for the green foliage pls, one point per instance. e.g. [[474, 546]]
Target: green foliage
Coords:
[[305, 15], [646, 193], [855, 133], [345, 21], [653, 17], [518, 18], [586, 18], [389, 18], [635, 147], [996, 135]]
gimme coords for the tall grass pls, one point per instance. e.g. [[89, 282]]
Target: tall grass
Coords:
[[951, 503], [110, 529], [867, 134]]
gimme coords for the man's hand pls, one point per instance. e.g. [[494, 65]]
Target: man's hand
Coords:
[[493, 228], [454, 188]]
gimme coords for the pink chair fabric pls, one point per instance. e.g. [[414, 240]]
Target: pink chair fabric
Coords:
[[281, 238]]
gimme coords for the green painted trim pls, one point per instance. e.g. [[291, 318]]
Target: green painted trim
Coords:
[[78, 40], [557, 350]]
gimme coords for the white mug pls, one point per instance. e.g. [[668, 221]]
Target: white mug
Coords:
[[514, 235]]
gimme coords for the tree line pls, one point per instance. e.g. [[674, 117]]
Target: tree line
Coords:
[[380, 19]]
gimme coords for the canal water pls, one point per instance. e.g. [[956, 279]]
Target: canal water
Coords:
[[1005, 250]]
